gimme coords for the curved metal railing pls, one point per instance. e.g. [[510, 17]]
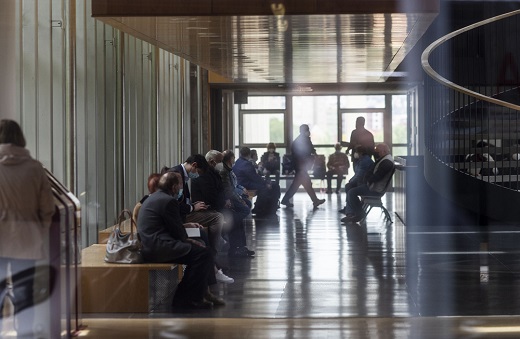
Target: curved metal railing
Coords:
[[475, 116]]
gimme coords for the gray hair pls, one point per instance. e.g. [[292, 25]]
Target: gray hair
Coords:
[[213, 155]]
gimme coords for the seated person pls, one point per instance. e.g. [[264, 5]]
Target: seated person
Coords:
[[374, 183], [164, 239], [362, 164], [153, 180], [254, 160], [337, 164], [251, 180], [198, 211], [240, 205], [270, 162]]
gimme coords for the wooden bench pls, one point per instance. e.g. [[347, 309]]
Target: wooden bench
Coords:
[[124, 288]]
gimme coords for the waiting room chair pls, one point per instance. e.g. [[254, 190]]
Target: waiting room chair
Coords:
[[370, 202]]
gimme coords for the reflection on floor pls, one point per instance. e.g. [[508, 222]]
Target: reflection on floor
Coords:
[[314, 277]]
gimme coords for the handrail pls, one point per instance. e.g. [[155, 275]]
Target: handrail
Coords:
[[437, 77]]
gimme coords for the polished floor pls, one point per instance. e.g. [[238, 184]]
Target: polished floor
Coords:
[[314, 277]]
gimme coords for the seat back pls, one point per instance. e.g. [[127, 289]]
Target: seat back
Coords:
[[375, 201]]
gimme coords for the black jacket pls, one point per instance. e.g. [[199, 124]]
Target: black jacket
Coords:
[[208, 187], [161, 229]]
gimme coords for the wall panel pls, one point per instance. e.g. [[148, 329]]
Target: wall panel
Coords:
[[131, 112]]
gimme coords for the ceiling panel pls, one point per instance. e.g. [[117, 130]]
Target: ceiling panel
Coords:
[[321, 48]]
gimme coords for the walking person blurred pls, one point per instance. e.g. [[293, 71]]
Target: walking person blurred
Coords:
[[26, 209], [303, 156]]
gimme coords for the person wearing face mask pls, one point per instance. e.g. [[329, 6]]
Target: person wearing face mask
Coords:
[[363, 163], [302, 152], [374, 183], [198, 211], [164, 239], [239, 206], [270, 162]]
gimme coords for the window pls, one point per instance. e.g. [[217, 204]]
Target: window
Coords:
[[362, 101], [320, 113], [262, 128], [399, 124], [262, 120]]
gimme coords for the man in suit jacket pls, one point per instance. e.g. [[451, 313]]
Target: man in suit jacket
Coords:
[[198, 211], [164, 239]]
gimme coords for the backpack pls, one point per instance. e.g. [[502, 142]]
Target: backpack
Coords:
[[267, 201]]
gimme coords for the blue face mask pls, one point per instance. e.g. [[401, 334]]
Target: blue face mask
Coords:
[[179, 194], [193, 175]]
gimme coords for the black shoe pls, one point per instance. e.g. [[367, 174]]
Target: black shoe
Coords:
[[342, 210], [193, 305], [328, 191], [248, 251], [286, 203], [337, 192], [318, 202], [241, 252], [216, 301]]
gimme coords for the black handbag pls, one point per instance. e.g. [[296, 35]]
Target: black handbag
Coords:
[[124, 248]]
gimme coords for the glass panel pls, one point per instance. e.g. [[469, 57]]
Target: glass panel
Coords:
[[399, 119], [320, 113], [362, 101], [373, 122], [263, 128], [269, 102], [399, 151]]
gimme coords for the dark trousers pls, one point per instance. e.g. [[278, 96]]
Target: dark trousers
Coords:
[[199, 273], [330, 174], [301, 178], [237, 234], [276, 175], [354, 204], [22, 273]]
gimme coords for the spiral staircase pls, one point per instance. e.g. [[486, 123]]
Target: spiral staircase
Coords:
[[472, 99]]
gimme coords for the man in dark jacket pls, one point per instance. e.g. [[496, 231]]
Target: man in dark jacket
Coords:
[[164, 239], [361, 136], [194, 210], [375, 183], [302, 152], [267, 193]]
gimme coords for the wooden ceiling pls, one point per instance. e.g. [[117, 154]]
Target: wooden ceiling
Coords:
[[291, 42]]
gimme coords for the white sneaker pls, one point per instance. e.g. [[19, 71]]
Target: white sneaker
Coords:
[[221, 277]]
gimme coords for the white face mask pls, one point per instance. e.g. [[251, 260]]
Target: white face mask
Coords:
[[356, 155]]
